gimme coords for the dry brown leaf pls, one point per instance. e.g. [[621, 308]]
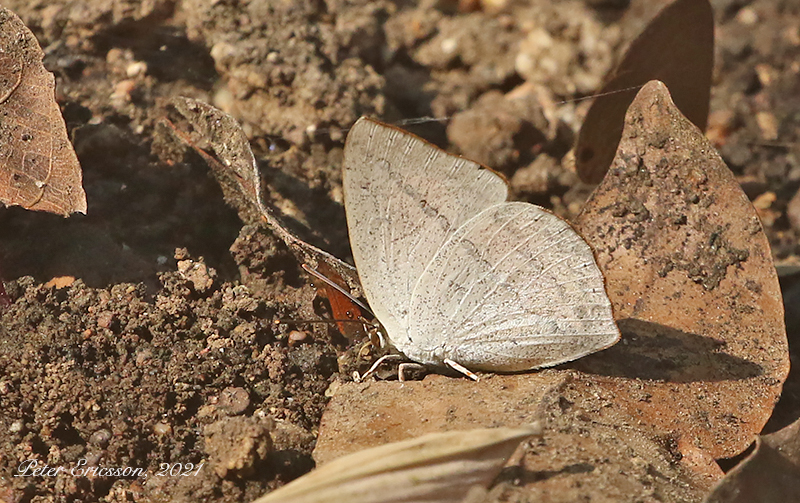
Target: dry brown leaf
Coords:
[[614, 458], [582, 459], [703, 355], [38, 166], [208, 129], [787, 441], [677, 48], [770, 474], [363, 415], [689, 271]]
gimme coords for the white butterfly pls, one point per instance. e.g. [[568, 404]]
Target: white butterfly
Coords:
[[454, 272]]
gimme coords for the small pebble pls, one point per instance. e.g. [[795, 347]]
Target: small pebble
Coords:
[[162, 429], [233, 401], [768, 125], [297, 336], [100, 437], [122, 91], [105, 319], [136, 69], [793, 211], [142, 356], [17, 426], [747, 16]]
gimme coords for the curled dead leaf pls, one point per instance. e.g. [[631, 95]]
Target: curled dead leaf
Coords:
[[435, 468], [220, 140], [770, 474]]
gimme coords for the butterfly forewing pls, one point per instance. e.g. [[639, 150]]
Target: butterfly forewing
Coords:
[[404, 198]]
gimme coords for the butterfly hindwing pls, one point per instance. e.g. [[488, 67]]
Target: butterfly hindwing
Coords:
[[514, 288]]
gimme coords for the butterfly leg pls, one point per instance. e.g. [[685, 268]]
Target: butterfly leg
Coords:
[[462, 369], [406, 366], [374, 367]]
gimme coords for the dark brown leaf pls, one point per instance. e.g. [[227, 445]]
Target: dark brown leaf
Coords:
[[787, 441], [677, 48], [770, 474], [38, 166]]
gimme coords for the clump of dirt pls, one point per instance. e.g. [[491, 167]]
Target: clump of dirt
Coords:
[[118, 378]]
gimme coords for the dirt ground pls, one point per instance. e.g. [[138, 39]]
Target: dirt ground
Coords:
[[143, 333]]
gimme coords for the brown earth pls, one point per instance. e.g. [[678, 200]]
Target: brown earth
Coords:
[[163, 348]]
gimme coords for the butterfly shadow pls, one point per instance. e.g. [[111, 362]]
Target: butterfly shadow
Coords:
[[653, 351]]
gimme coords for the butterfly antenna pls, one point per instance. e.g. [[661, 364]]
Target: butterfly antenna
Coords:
[[338, 288], [290, 321]]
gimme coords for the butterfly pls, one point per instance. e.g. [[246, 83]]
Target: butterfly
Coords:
[[457, 275]]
